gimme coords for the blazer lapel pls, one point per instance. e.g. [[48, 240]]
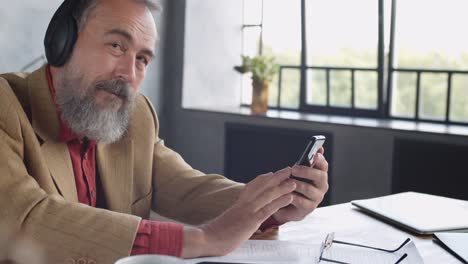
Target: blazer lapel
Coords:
[[115, 165], [45, 122], [58, 160]]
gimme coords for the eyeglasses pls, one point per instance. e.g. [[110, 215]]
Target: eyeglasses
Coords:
[[329, 240]]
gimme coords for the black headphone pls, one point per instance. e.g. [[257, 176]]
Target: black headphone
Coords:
[[61, 34]]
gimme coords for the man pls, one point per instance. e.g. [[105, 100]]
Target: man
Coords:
[[81, 162]]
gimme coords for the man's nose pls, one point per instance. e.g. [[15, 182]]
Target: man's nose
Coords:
[[125, 68]]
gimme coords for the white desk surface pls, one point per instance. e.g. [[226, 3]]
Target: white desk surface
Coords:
[[351, 225]]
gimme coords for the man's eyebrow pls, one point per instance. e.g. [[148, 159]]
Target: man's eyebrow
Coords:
[[121, 32], [129, 37]]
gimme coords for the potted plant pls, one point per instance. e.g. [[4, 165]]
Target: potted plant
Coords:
[[263, 69]]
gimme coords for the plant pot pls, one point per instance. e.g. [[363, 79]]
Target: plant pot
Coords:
[[259, 97]]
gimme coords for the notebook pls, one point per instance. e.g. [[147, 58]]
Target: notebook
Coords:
[[418, 212], [455, 243]]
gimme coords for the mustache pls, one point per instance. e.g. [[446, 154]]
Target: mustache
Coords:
[[117, 87]]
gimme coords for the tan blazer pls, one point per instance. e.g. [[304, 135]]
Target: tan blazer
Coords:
[[37, 186]]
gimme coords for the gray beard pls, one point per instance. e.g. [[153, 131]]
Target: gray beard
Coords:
[[84, 117]]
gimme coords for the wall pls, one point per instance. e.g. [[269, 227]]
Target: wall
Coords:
[[362, 156], [22, 28], [213, 31]]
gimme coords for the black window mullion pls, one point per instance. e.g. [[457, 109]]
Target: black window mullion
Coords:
[[380, 61], [327, 78], [303, 81], [280, 82], [251, 25], [449, 96], [418, 92], [353, 103], [390, 59]]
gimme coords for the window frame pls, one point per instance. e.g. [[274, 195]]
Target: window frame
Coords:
[[418, 71], [384, 76], [352, 110]]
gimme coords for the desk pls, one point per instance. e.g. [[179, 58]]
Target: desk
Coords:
[[351, 225]]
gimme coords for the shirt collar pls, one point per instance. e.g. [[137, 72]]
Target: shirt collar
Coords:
[[65, 134]]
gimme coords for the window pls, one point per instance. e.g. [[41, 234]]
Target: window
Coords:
[[429, 58], [342, 48], [369, 58]]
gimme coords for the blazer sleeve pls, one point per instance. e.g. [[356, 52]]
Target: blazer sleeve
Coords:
[[185, 194], [66, 231]]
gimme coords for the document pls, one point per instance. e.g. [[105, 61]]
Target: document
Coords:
[[268, 251], [287, 252]]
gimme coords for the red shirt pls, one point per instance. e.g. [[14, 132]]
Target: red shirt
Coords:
[[152, 237]]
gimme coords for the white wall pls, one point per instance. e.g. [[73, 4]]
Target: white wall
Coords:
[[22, 28], [212, 48]]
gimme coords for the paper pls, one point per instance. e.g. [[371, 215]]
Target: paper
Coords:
[[359, 255], [286, 252], [268, 251]]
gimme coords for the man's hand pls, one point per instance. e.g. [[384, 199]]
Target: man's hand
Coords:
[[308, 195], [260, 199]]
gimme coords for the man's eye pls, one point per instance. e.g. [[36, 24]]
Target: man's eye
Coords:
[[115, 45], [143, 60]]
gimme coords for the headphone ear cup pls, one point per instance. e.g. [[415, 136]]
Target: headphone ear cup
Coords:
[[61, 36]]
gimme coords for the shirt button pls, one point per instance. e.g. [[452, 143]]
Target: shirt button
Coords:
[[93, 193]]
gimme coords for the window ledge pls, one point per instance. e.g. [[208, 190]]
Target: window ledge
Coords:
[[423, 127]]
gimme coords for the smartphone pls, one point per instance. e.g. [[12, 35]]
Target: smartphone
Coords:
[[307, 158]]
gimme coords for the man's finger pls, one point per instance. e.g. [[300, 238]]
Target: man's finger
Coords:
[[265, 181], [281, 175], [309, 191], [273, 193], [251, 189], [275, 179], [274, 206], [260, 178], [303, 204], [321, 150], [320, 162], [313, 176]]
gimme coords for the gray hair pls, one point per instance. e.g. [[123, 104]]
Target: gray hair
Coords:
[[85, 7]]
